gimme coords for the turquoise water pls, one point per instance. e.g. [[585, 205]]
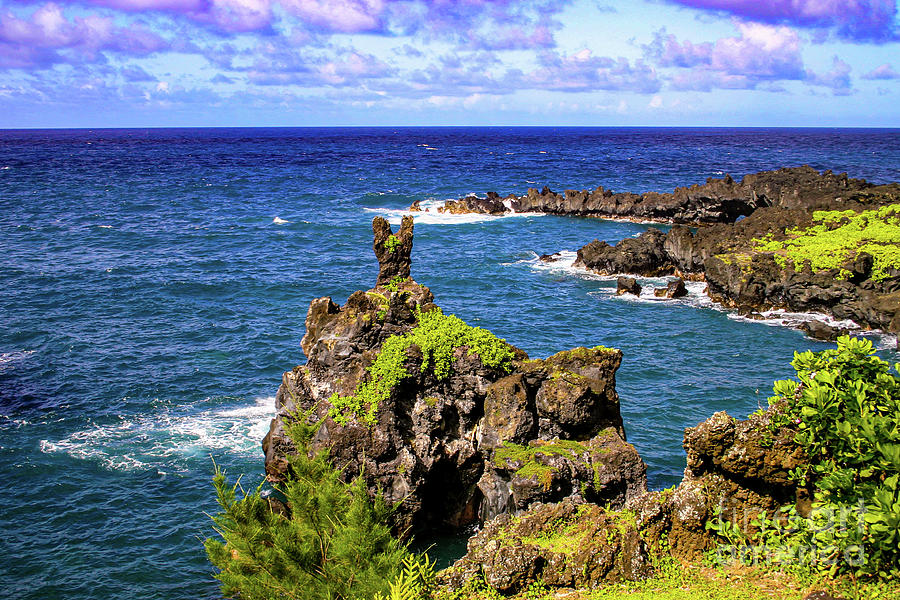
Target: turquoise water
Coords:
[[151, 301]]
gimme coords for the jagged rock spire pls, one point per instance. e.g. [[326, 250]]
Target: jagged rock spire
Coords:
[[392, 250]]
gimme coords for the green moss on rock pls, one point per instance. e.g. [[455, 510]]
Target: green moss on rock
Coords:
[[437, 336]]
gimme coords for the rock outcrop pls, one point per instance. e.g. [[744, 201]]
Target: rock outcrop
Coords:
[[459, 447], [741, 276], [735, 470], [717, 201]]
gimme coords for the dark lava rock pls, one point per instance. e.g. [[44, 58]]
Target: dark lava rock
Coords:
[[822, 331], [737, 468], [479, 442], [643, 255], [673, 289], [716, 201], [568, 544], [627, 285], [550, 257], [393, 251]]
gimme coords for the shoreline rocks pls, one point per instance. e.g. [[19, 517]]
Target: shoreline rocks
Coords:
[[732, 215], [740, 276], [716, 201], [736, 469]]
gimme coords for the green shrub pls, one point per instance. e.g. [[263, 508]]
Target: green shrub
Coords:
[[837, 237], [414, 582], [333, 543], [437, 335], [391, 243], [845, 410]]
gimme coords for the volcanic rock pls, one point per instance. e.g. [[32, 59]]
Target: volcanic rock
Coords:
[[627, 285], [673, 289], [643, 255], [716, 201], [736, 469], [822, 331], [449, 451]]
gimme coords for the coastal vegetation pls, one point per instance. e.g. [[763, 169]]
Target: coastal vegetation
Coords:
[[837, 237], [437, 336], [846, 410], [316, 538]]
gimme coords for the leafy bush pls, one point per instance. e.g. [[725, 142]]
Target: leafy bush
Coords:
[[331, 543], [846, 410], [437, 335]]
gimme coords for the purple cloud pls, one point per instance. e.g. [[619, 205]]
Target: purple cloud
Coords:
[[862, 20], [583, 72], [489, 24], [277, 65], [837, 79], [136, 74], [882, 72], [343, 16], [47, 37], [761, 54]]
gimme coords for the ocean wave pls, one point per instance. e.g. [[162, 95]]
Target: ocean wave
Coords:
[[564, 265], [9, 360], [430, 215], [167, 442], [697, 298], [696, 293]]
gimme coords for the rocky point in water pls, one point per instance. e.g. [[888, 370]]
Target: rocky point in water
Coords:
[[717, 201], [757, 263], [454, 440]]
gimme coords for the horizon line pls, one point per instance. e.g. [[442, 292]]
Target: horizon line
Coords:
[[696, 127]]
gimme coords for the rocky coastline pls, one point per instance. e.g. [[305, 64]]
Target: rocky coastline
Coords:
[[531, 452], [716, 201], [741, 242]]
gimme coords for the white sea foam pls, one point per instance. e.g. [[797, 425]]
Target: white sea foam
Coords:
[[781, 317], [165, 441], [105, 226], [279, 221], [429, 214], [564, 265], [697, 297], [8, 360], [696, 292]]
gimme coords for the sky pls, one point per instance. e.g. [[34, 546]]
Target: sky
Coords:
[[160, 63]]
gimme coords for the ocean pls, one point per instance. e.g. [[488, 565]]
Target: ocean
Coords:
[[155, 284]]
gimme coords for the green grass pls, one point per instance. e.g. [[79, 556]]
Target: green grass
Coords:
[[837, 237], [674, 581]]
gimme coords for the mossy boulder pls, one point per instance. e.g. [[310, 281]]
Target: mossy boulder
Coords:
[[566, 544]]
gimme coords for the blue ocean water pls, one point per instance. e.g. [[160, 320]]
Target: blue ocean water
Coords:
[[155, 284]]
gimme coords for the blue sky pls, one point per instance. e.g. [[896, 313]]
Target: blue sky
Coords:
[[144, 63]]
